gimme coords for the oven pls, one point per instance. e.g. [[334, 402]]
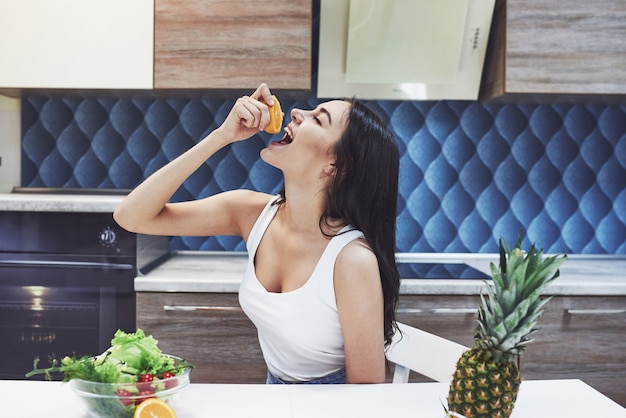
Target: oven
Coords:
[[66, 286]]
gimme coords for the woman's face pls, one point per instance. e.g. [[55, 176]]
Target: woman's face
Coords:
[[308, 146]]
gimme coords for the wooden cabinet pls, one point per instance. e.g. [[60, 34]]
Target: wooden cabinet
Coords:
[[550, 49], [162, 44], [579, 337], [451, 317], [209, 330], [76, 44], [216, 44]]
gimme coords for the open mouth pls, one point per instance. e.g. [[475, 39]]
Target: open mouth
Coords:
[[287, 138]]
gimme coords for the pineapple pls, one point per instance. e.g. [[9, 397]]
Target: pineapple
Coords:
[[487, 376]]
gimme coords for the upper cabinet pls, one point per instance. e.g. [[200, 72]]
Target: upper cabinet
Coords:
[[76, 44], [551, 49], [217, 44], [155, 44]]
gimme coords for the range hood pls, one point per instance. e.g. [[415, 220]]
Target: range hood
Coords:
[[403, 49]]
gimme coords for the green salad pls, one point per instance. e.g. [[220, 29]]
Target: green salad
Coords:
[[133, 369], [130, 356]]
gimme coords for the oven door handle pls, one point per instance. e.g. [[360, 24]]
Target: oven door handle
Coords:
[[65, 264]]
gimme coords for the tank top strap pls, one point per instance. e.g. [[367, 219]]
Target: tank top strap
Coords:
[[337, 243], [261, 224]]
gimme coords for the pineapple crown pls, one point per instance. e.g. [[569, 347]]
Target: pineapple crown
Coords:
[[507, 317]]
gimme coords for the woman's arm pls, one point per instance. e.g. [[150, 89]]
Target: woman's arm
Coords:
[[360, 303], [146, 208]]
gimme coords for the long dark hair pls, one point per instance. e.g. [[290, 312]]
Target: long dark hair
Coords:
[[364, 193]]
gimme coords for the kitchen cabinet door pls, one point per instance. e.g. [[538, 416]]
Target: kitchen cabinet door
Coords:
[[208, 329], [556, 49], [216, 44], [579, 337], [67, 44]]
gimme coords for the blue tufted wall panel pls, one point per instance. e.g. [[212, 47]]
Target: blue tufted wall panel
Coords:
[[470, 172]]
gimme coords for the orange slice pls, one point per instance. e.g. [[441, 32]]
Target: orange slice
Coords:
[[154, 408], [276, 118]]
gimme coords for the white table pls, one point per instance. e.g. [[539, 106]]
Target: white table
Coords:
[[537, 399]]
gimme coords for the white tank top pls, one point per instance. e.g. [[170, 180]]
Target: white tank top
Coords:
[[299, 331]]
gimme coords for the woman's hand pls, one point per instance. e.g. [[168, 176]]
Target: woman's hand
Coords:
[[249, 115]]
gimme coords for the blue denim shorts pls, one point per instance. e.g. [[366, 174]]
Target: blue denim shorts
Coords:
[[334, 378]]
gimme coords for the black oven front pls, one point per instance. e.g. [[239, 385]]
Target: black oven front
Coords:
[[66, 286]]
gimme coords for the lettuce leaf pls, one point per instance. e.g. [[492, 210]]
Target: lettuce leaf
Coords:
[[130, 355]]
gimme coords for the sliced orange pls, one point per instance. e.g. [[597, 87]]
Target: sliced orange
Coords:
[[154, 408], [276, 118]]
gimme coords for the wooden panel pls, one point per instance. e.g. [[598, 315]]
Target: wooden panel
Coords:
[[566, 47], [581, 338], [221, 341], [232, 44]]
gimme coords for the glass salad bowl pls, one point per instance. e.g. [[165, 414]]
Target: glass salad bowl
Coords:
[[119, 400]]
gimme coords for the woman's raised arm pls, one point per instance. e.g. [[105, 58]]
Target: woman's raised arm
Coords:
[[146, 209]]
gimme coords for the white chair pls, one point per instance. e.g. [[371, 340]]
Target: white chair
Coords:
[[425, 353]]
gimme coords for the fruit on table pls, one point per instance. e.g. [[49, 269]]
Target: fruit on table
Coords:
[[154, 408], [487, 376]]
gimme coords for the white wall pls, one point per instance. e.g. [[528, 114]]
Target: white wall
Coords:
[[10, 125]]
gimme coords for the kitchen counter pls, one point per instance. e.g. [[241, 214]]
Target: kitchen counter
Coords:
[[537, 399], [32, 202], [221, 272]]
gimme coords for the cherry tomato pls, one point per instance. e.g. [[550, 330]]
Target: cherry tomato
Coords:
[[143, 395], [167, 375], [170, 383], [145, 382], [146, 377], [125, 397]]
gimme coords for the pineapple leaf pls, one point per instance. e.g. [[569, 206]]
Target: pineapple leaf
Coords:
[[545, 274], [514, 318], [503, 256], [494, 308], [533, 258], [539, 304], [512, 305], [499, 331], [536, 301], [507, 301], [498, 280], [527, 326]]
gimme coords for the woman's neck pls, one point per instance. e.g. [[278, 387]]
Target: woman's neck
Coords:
[[303, 209]]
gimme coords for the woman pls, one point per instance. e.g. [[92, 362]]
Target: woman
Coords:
[[321, 284]]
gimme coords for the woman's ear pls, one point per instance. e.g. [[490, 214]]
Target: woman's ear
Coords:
[[330, 168]]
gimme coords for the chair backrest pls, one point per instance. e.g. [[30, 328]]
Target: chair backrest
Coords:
[[425, 353]]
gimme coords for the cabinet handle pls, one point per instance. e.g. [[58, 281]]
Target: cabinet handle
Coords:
[[200, 308], [437, 311], [594, 311]]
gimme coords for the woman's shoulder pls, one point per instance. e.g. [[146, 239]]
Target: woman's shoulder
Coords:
[[357, 255], [246, 206], [357, 277]]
